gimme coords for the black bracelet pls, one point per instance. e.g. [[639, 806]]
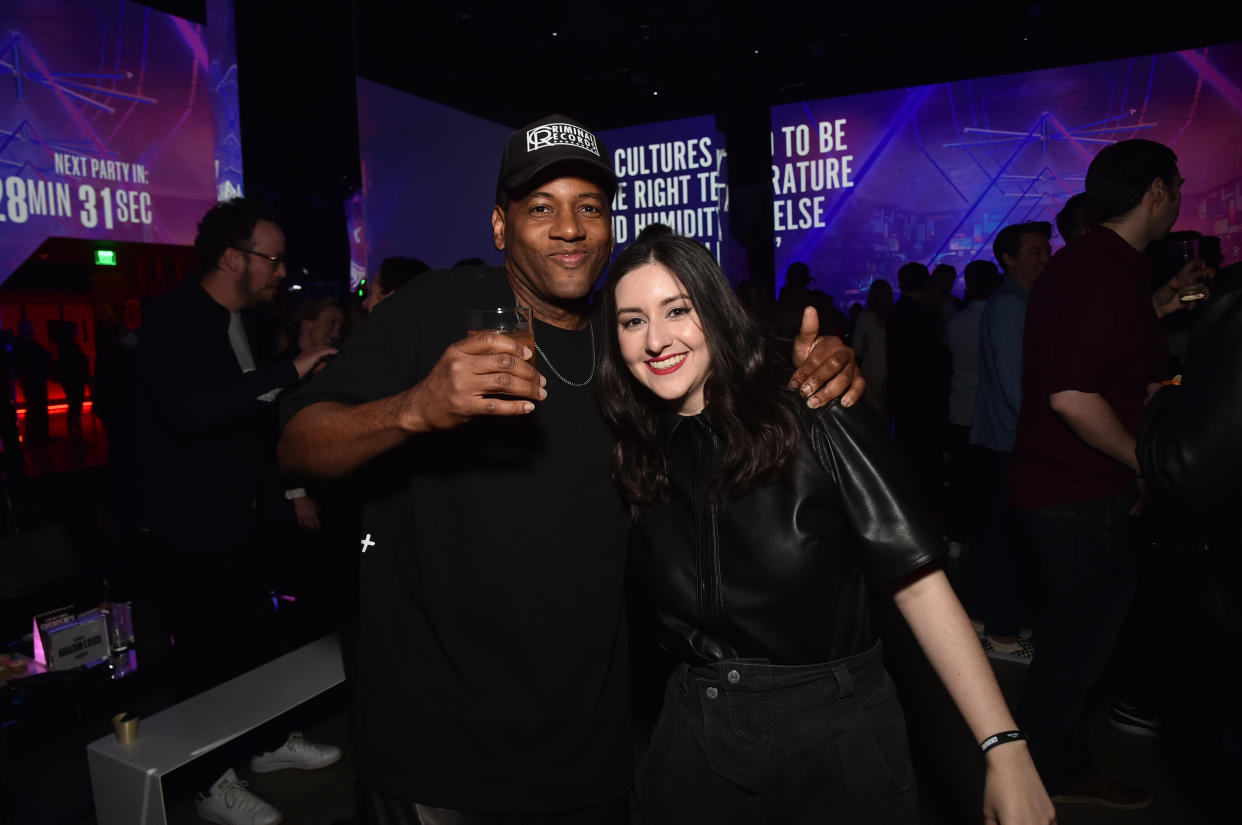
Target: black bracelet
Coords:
[[1000, 739]]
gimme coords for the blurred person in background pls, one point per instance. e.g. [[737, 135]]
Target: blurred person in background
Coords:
[[870, 342], [393, 274]]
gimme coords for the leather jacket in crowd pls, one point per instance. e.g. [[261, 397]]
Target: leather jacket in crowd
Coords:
[[1190, 452], [1191, 445], [784, 572]]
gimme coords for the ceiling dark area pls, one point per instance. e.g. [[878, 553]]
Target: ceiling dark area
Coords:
[[622, 63]]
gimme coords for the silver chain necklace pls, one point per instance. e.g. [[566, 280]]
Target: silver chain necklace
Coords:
[[557, 373]]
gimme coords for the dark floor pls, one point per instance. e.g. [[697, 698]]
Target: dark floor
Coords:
[[44, 778], [61, 454]]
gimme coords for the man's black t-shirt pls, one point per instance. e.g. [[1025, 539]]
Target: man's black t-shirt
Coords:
[[492, 656]]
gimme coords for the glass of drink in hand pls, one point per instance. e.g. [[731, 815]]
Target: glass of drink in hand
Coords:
[[515, 322]]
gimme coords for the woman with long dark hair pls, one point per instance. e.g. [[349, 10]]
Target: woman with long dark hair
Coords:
[[760, 528]]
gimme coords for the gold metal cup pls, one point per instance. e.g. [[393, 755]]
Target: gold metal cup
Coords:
[[126, 727]]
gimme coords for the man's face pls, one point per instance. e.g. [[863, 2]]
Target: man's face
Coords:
[[1168, 204], [375, 295], [1034, 252], [556, 241], [260, 278]]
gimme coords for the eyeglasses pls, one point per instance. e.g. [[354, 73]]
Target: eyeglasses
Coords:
[[275, 260]]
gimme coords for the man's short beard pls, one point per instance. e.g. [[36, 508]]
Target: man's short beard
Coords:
[[249, 297]]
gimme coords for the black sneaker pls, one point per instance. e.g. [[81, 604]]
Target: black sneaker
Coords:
[[1133, 719], [1105, 793]]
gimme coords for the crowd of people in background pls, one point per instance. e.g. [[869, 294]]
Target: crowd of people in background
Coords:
[[1019, 409], [1015, 394]]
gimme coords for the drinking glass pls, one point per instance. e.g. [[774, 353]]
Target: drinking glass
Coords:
[[514, 322]]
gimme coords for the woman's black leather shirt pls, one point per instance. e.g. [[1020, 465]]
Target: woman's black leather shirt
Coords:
[[782, 572]]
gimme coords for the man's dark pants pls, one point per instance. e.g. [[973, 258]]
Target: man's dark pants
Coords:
[[997, 594], [1086, 557], [217, 612]]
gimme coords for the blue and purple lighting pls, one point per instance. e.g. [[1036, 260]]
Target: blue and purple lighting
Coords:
[[931, 173]]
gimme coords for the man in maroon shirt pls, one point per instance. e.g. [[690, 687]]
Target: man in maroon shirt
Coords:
[[1092, 351]]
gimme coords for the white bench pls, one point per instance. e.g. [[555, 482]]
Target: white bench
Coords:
[[126, 780]]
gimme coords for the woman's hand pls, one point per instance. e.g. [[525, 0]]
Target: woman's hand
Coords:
[[1013, 793]]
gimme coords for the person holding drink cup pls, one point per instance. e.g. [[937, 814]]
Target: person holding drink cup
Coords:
[[492, 658]]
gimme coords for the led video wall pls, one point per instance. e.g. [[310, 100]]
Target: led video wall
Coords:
[[862, 184], [429, 181], [674, 173], [106, 127]]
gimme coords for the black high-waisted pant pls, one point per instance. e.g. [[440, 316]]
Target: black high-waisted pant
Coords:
[[747, 742]]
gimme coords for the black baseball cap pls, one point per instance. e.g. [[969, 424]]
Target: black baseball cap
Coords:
[[558, 143]]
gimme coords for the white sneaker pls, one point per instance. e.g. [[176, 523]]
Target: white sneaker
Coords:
[[229, 803], [296, 753], [1021, 651]]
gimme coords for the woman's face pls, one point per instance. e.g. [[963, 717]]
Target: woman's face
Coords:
[[325, 330], [661, 337]]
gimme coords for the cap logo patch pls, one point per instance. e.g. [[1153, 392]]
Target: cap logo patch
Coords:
[[560, 134]]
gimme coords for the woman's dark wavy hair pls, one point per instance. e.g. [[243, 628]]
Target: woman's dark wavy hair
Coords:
[[755, 419]]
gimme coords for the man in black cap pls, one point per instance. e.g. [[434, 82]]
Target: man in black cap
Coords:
[[493, 673]]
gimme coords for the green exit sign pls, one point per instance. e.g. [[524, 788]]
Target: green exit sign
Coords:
[[105, 257]]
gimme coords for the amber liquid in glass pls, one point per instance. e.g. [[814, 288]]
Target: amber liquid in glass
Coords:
[[522, 336]]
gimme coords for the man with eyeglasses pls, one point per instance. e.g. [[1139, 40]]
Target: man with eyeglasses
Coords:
[[204, 423]]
